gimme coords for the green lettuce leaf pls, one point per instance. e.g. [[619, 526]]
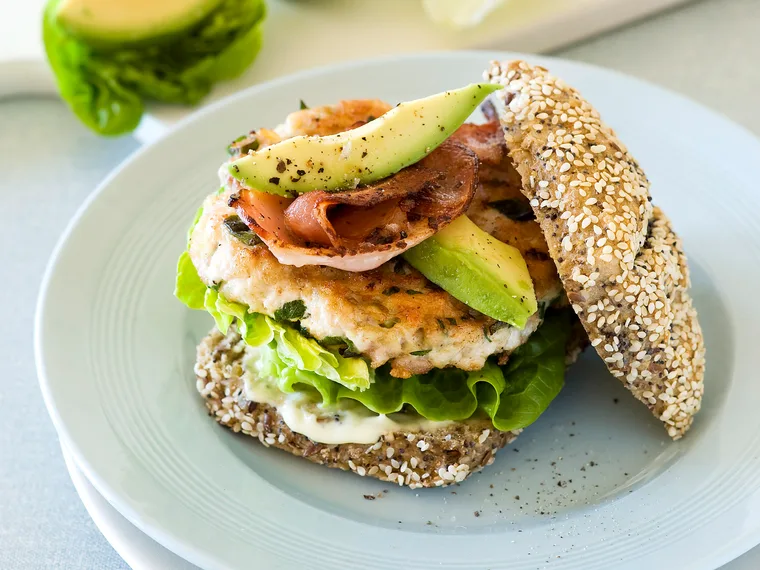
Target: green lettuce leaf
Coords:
[[106, 89], [513, 396], [188, 286], [534, 375], [97, 97]]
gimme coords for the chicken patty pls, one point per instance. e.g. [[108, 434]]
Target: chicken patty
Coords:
[[392, 314]]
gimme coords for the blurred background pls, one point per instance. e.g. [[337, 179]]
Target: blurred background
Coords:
[[698, 47], [705, 49]]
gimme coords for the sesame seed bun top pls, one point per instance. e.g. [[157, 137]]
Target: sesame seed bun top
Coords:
[[621, 264]]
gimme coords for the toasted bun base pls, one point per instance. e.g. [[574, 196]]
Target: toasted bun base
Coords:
[[620, 261], [416, 459]]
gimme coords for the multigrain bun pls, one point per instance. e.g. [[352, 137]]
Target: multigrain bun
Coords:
[[621, 264], [417, 459]]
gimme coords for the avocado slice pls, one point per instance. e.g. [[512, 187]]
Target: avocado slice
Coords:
[[479, 270], [118, 22], [402, 136]]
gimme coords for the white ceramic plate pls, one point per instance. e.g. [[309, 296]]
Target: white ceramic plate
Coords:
[[599, 484], [143, 553], [138, 550]]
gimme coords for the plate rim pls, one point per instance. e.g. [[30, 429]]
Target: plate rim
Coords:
[[721, 555], [106, 522]]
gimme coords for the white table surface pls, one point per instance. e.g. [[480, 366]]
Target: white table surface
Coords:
[[49, 163]]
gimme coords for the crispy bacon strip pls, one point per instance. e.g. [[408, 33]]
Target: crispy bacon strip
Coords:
[[358, 230], [332, 220]]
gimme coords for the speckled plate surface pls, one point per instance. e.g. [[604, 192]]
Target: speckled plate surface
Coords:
[[594, 484]]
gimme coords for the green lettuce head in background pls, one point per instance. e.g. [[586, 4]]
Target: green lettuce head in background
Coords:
[[106, 85], [513, 396]]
